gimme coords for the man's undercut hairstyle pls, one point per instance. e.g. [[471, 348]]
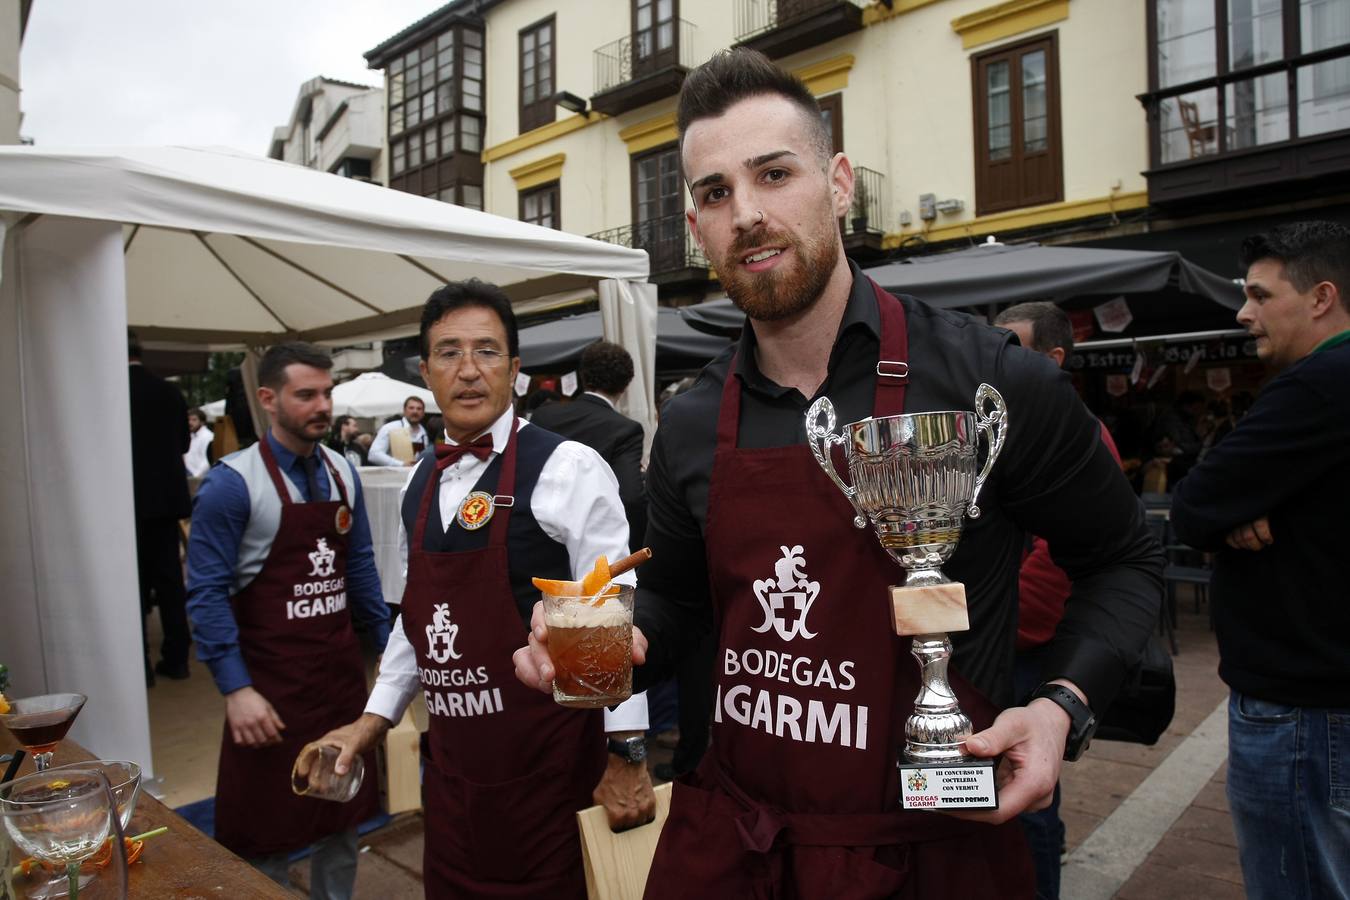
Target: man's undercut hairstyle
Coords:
[[605, 367], [461, 294], [735, 75], [1050, 325], [1312, 252], [414, 399], [272, 368]]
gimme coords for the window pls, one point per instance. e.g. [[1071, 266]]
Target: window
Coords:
[[832, 114], [435, 97], [1220, 74], [536, 75], [541, 206], [1017, 154], [658, 208], [469, 196], [654, 36]]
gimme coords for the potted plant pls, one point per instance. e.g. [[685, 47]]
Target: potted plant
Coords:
[[862, 200]]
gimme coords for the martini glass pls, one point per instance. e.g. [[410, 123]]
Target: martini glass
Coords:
[[39, 723], [62, 818]]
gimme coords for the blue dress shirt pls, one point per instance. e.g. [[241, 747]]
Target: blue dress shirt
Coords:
[[220, 513]]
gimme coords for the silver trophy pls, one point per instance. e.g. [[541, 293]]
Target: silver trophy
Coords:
[[916, 478]]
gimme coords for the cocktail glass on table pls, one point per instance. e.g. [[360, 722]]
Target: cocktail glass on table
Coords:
[[53, 822], [39, 723]]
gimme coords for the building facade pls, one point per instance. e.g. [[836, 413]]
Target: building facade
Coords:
[[1155, 124], [337, 127], [13, 22]]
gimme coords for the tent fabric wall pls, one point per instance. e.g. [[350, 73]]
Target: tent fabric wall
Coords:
[[70, 608], [628, 315]]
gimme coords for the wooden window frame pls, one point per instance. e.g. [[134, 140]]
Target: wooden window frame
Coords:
[[542, 111], [984, 177], [553, 188], [835, 104]]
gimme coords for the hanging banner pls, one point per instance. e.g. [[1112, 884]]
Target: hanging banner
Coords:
[[1114, 315], [522, 384], [1156, 376], [1138, 370], [569, 384], [1219, 379], [1117, 385]]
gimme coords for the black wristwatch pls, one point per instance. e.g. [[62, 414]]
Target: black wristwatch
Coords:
[[1082, 723], [633, 749]]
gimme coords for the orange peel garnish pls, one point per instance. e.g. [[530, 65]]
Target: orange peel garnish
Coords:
[[596, 578], [4, 705]]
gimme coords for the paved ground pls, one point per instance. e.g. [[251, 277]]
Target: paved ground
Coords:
[[1144, 823]]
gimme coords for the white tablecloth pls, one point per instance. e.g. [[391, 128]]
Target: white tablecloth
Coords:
[[380, 487]]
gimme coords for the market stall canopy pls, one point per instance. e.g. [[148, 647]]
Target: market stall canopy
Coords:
[[556, 346], [1184, 296], [375, 395], [225, 249]]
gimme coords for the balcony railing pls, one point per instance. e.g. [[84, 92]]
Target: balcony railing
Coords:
[[867, 215], [754, 18], [636, 55], [667, 241]]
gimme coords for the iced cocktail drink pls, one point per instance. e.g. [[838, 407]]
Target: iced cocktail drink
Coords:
[[590, 642]]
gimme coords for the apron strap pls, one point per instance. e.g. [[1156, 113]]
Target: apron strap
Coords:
[[270, 461], [337, 479], [893, 363], [506, 484], [892, 372]]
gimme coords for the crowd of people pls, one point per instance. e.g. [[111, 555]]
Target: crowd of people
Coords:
[[795, 794]]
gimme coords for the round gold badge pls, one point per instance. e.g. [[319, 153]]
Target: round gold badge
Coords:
[[475, 511], [343, 520]]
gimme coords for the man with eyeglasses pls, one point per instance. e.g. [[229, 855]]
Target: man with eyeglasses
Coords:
[[499, 502]]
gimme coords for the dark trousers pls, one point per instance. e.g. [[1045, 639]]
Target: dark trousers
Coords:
[[1044, 828], [161, 575]]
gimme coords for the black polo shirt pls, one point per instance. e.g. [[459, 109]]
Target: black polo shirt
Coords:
[[1054, 478]]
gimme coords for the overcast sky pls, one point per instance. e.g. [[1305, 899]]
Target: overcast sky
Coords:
[[191, 72]]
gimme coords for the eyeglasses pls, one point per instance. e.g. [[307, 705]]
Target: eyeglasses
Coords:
[[453, 357]]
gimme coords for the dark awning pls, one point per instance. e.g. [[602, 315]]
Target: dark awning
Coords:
[[1166, 292], [556, 346]]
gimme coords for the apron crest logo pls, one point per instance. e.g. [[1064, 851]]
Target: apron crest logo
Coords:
[[787, 598], [441, 635], [322, 559]]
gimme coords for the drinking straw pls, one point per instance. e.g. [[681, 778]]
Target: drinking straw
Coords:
[[17, 760]]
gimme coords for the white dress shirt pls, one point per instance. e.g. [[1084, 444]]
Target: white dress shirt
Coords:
[[576, 502], [195, 459], [379, 448]]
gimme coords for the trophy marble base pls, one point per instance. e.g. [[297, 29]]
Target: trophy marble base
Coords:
[[932, 609], [963, 784]]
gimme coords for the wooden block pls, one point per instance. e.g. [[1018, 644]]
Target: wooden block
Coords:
[[398, 759], [617, 864], [400, 445], [929, 610]]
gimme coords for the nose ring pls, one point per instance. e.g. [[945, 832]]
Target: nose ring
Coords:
[[760, 214]]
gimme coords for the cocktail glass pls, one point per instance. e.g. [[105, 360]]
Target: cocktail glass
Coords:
[[124, 780], [39, 723], [60, 819], [590, 642]]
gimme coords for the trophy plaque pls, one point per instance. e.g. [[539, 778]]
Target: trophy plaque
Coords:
[[916, 478]]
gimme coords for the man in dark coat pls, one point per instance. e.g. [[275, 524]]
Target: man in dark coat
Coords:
[[592, 419], [159, 438]]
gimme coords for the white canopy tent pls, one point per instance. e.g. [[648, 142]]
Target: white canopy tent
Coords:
[[376, 395], [200, 248]]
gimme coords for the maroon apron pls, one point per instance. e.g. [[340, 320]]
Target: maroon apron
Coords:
[[813, 689], [295, 633], [509, 768]]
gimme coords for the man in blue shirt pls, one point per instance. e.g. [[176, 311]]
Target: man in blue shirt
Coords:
[[279, 566]]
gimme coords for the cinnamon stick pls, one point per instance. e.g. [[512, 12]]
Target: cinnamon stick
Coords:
[[629, 562]]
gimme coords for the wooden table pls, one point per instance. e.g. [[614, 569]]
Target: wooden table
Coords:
[[182, 863]]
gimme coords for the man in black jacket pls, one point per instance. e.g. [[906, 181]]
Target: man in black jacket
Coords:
[[592, 419], [1269, 499], [159, 438]]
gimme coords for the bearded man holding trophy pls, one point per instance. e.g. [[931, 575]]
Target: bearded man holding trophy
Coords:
[[817, 737]]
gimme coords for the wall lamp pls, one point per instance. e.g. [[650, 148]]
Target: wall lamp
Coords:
[[571, 102]]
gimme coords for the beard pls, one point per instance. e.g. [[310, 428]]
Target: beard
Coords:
[[783, 291], [311, 429]]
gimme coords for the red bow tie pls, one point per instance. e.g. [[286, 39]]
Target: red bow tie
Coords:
[[448, 454]]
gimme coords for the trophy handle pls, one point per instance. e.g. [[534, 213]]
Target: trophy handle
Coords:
[[821, 440], [994, 425]]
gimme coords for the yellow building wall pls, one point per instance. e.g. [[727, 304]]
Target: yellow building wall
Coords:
[[907, 104]]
